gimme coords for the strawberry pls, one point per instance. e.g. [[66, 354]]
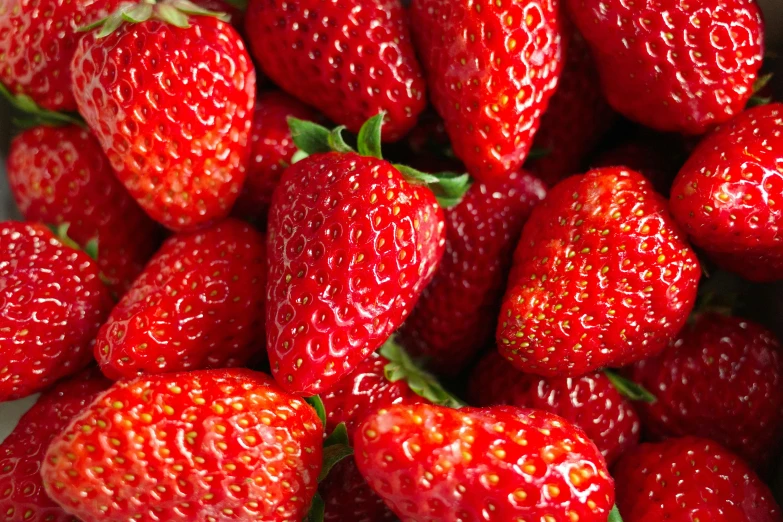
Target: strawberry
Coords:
[[601, 276], [673, 65], [591, 401], [22, 495], [349, 59], [502, 463], [171, 107], [199, 303], [52, 303], [271, 150], [690, 479], [60, 175], [347, 496], [721, 379], [491, 69], [656, 156], [725, 196], [37, 41], [457, 313], [353, 240], [210, 445], [576, 119]]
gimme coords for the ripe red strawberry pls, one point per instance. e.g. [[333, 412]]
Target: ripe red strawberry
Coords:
[[433, 463], [690, 479], [347, 496], [591, 401], [201, 446], [349, 59], [721, 379], [673, 65], [52, 303], [601, 276], [491, 69], [60, 175], [456, 315], [22, 495], [576, 119], [352, 243], [37, 42], [656, 156], [172, 109], [271, 150], [726, 195], [198, 304]]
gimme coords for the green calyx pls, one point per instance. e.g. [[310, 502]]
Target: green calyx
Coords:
[[614, 515], [34, 115], [629, 389], [61, 233], [311, 138], [174, 12], [424, 384], [758, 85]]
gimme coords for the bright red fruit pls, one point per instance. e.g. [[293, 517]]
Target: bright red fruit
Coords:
[[271, 150], [491, 69], [590, 401], [37, 42], [674, 65], [433, 463], [690, 479], [350, 59], [354, 398], [52, 303], [201, 446], [726, 195], [456, 315], [172, 109], [22, 495], [198, 304], [721, 379], [352, 243], [60, 175], [601, 277], [576, 119]]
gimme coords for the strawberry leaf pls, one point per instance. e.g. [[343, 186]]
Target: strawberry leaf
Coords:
[[630, 389], [336, 141], [36, 115], [424, 384], [338, 436], [369, 139], [538, 153], [61, 233], [332, 455], [173, 12], [448, 187], [614, 515], [318, 405], [317, 510], [309, 137]]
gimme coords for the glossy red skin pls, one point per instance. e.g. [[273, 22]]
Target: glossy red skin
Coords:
[[37, 41], [234, 433], [433, 463], [726, 195], [601, 277], [590, 401], [351, 246], [490, 93], [456, 315], [721, 379], [60, 175], [656, 156], [22, 495], [672, 65], [576, 119], [690, 479], [271, 149], [198, 304], [172, 109], [355, 397], [52, 303], [350, 59]]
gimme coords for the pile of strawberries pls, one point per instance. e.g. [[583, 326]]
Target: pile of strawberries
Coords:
[[234, 312]]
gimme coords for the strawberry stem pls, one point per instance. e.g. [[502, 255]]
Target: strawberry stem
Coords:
[[630, 389], [424, 384]]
